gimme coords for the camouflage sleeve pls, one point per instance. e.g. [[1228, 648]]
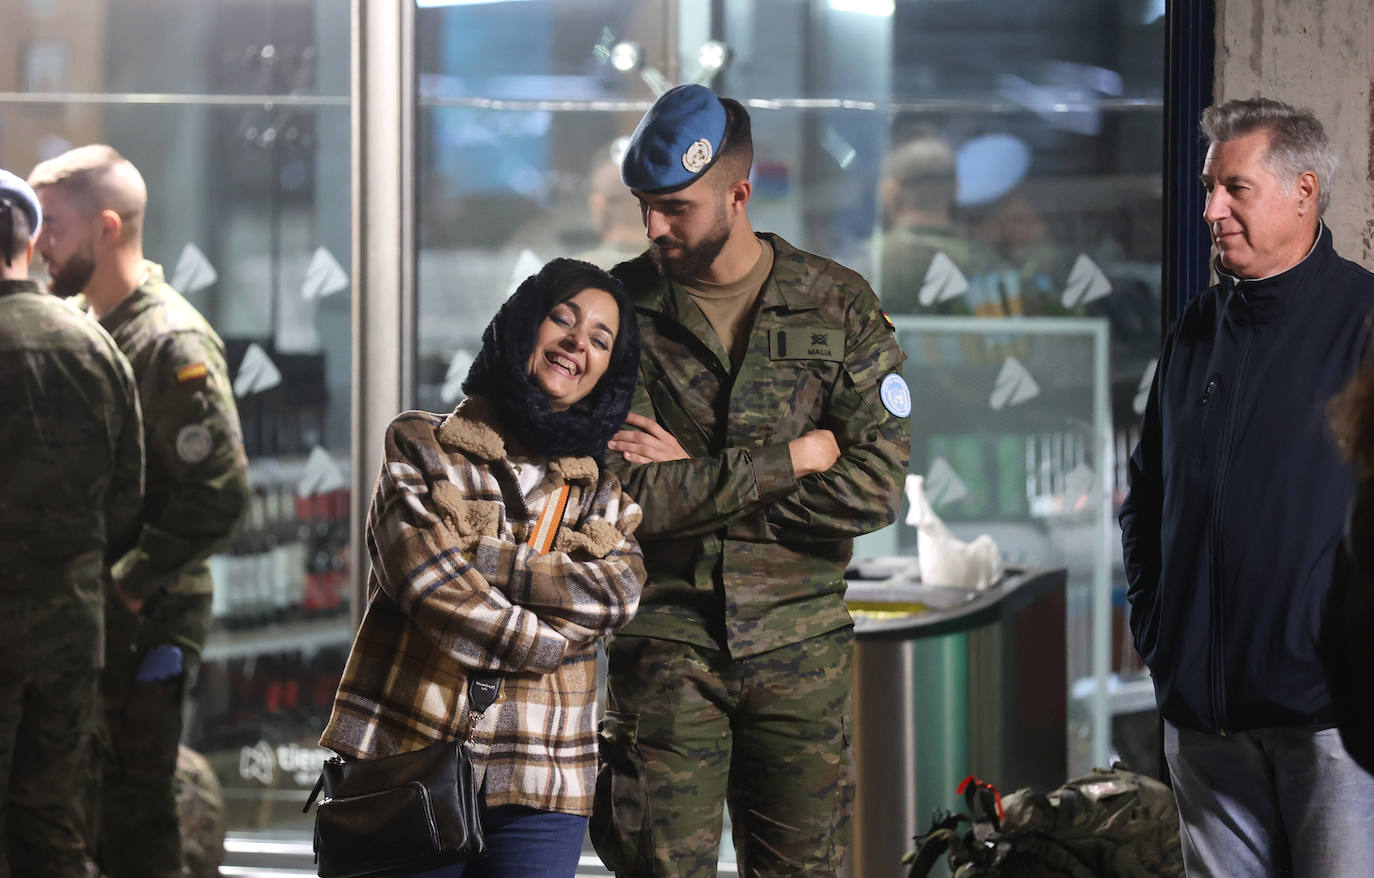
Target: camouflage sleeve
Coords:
[[125, 497], [861, 492], [197, 480], [686, 498]]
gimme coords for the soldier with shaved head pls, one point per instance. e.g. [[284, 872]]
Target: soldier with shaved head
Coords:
[[158, 615]]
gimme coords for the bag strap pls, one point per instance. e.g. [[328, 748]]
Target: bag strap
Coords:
[[544, 530], [314, 794], [929, 849]]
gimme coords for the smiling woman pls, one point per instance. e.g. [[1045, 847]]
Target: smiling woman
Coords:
[[499, 544], [574, 346]]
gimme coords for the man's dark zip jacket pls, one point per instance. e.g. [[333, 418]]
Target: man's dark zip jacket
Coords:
[[1238, 496]]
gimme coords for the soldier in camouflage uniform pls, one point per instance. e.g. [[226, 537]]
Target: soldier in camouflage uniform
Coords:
[[771, 429], [71, 463], [197, 488], [918, 195]]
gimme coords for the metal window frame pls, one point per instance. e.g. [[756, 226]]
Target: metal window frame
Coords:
[[384, 225], [1189, 69]]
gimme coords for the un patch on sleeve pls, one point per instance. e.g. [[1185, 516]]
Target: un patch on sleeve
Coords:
[[895, 395], [194, 443]]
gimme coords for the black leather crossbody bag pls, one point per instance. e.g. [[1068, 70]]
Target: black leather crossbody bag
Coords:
[[403, 813]]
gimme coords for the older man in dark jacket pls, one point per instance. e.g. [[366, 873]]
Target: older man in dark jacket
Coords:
[[1235, 514]]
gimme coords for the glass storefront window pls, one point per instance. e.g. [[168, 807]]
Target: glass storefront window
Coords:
[[973, 158], [237, 115]]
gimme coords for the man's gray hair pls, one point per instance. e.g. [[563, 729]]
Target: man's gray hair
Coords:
[[1297, 140]]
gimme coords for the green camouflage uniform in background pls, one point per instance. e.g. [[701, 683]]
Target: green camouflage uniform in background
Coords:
[[71, 464], [906, 253], [197, 488], [733, 680]]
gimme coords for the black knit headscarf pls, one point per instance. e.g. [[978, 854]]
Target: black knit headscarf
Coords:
[[501, 371]]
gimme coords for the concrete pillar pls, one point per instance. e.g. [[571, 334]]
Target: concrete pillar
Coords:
[[1317, 54]]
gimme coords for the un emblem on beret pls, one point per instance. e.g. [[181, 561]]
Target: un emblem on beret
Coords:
[[697, 156]]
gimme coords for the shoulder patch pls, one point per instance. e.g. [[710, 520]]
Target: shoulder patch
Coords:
[[191, 372], [895, 395], [194, 443]]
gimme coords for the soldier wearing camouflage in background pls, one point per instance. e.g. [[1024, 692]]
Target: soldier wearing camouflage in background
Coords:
[[93, 203], [71, 463], [771, 429]]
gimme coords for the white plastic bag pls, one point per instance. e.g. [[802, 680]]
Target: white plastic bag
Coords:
[[943, 558]]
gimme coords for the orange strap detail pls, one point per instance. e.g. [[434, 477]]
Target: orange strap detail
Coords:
[[543, 532]]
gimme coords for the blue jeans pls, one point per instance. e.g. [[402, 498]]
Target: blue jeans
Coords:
[[523, 843], [1270, 802]]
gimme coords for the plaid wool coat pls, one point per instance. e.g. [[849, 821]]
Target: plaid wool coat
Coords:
[[455, 587]]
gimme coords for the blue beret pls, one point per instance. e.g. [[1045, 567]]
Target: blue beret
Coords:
[[988, 167], [15, 189], [677, 141]]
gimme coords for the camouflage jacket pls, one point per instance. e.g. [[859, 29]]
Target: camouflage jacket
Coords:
[[71, 463], [197, 482], [456, 587], [741, 554]]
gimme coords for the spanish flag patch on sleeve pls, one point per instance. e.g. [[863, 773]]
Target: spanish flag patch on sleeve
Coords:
[[191, 372]]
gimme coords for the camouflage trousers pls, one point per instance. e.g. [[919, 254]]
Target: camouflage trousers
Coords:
[[44, 742], [138, 825], [688, 730]]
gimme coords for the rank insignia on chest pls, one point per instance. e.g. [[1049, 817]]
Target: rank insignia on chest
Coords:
[[806, 343]]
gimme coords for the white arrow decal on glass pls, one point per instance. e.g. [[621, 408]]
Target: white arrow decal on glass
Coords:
[[1014, 385], [1086, 283], [1142, 393], [322, 474], [943, 281], [193, 272], [257, 372], [458, 368], [525, 265], [943, 485], [324, 277]]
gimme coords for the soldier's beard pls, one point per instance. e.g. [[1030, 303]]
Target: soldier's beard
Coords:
[[72, 276], [692, 261]]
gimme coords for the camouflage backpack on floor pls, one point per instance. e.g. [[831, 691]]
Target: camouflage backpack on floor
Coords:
[[200, 804], [1107, 824]]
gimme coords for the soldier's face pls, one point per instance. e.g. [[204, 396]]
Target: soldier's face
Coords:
[[573, 346], [66, 243], [688, 228]]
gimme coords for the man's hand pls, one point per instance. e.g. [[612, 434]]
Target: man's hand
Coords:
[[813, 452], [650, 443]]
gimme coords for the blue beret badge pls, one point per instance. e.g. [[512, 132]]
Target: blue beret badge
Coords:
[[697, 156], [895, 395]]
